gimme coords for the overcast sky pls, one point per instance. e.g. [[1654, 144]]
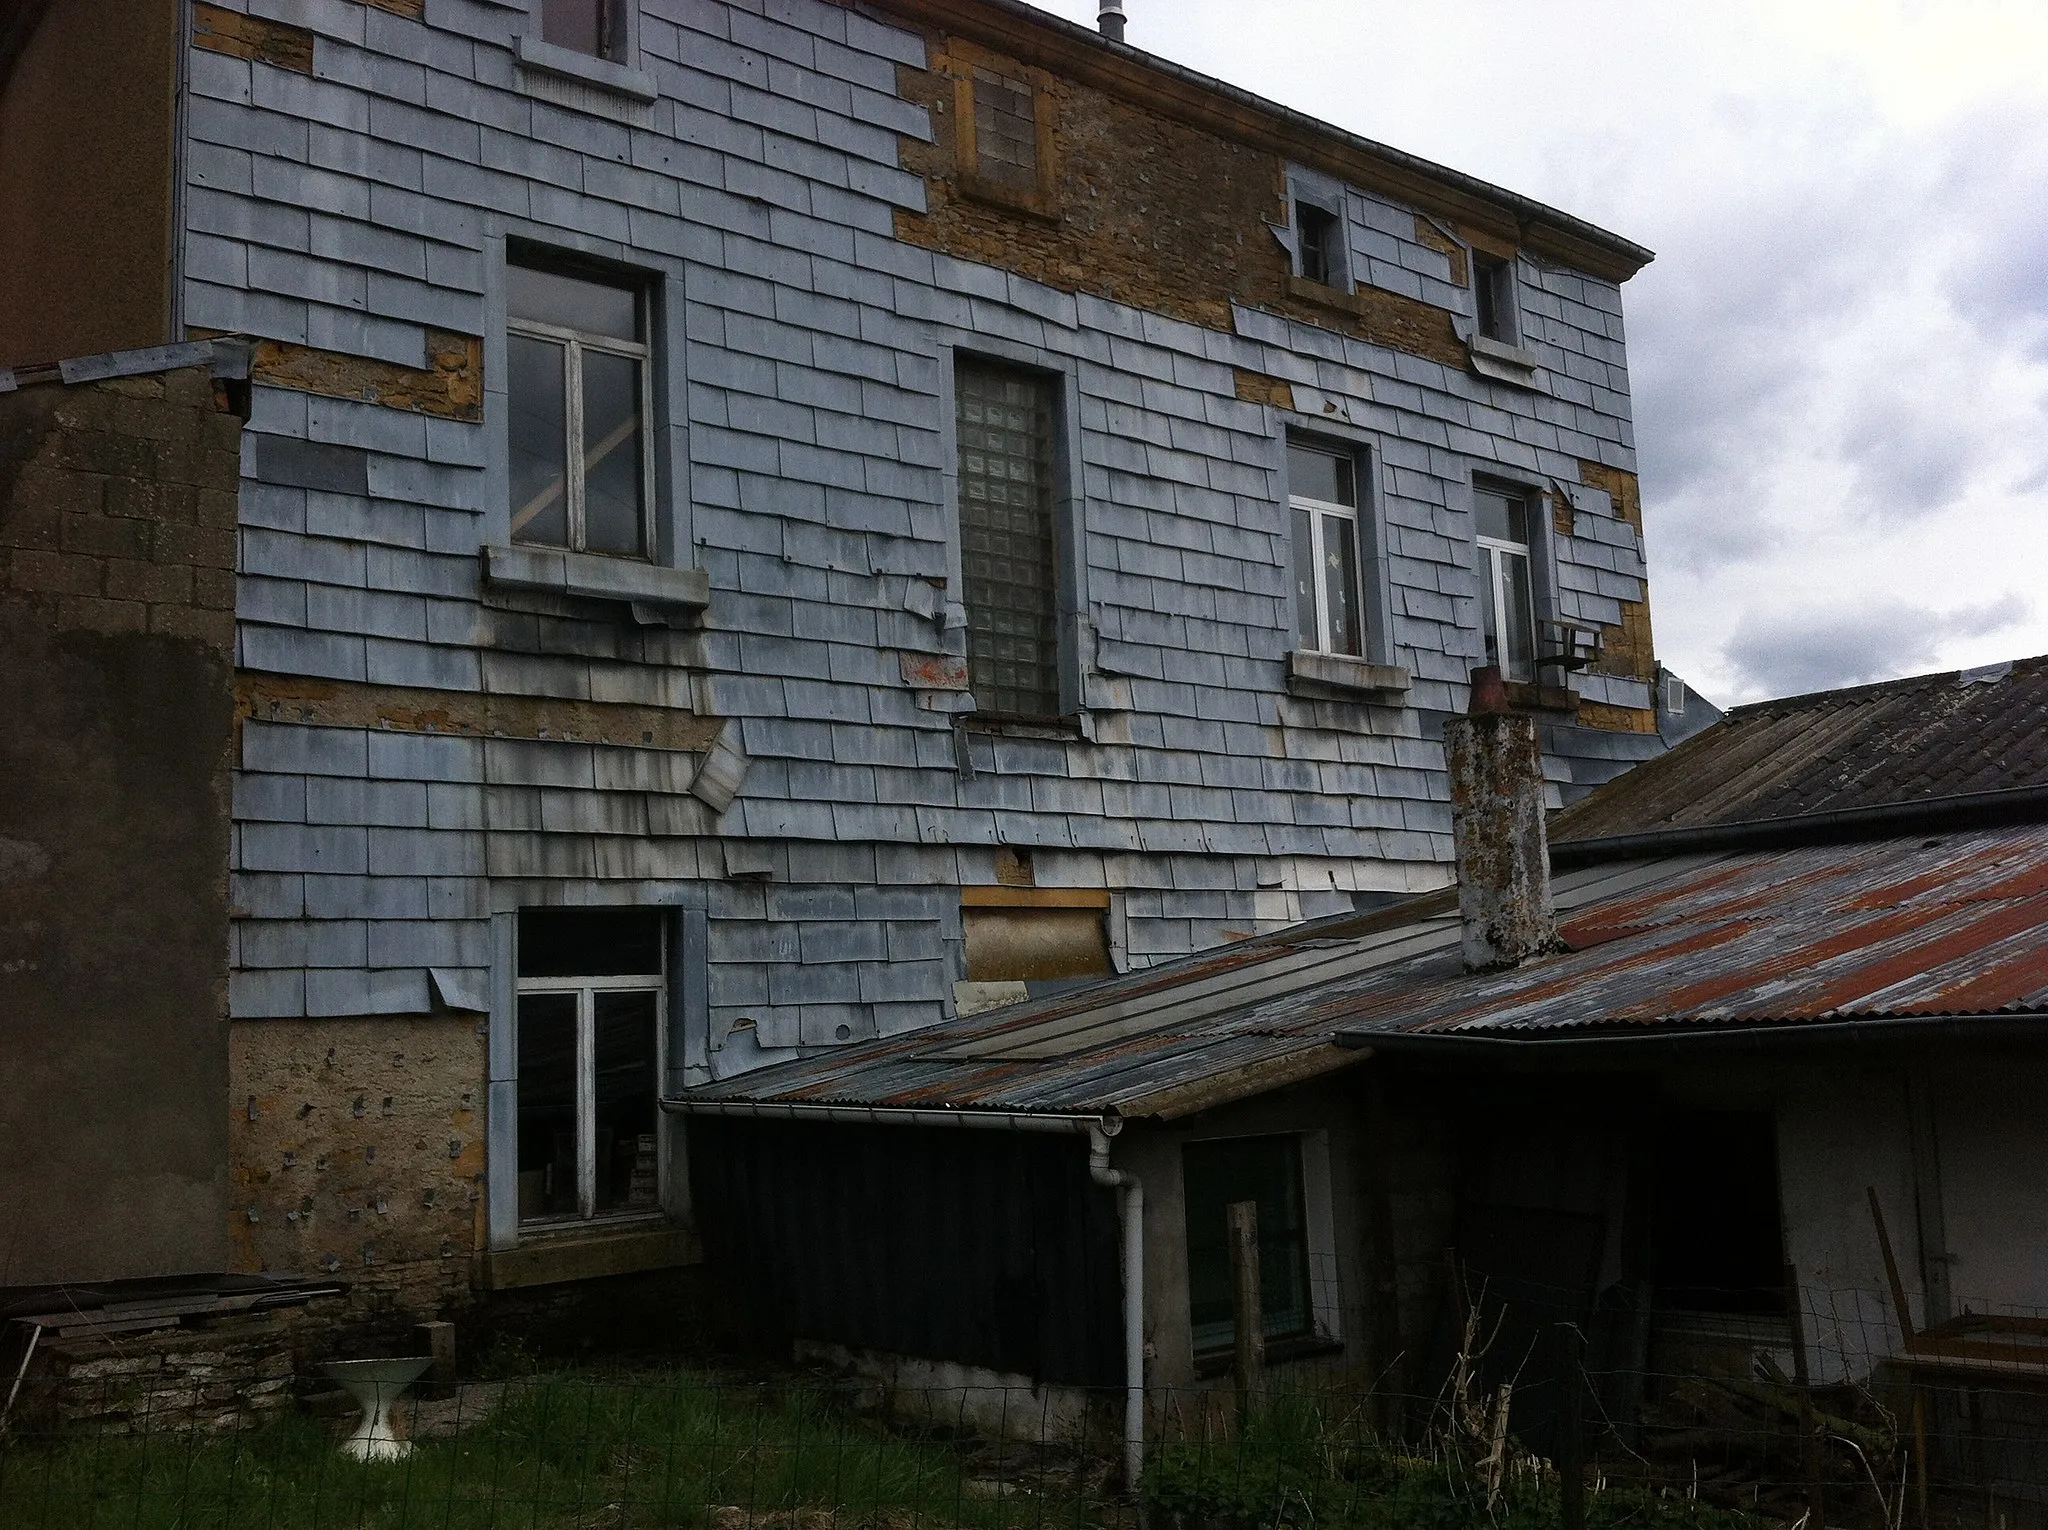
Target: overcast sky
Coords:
[[1840, 355]]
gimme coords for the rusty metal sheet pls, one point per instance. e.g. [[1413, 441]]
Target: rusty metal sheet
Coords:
[[1956, 924]]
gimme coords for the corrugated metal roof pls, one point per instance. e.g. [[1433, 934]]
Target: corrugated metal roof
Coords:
[[1920, 926], [1903, 741]]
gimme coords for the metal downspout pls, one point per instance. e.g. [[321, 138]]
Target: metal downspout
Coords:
[[1133, 1266]]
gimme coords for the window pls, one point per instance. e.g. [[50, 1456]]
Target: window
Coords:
[[576, 358], [1005, 130], [1319, 235], [1322, 493], [1507, 604], [1007, 556], [1493, 298], [1266, 1171], [595, 27], [589, 1029]]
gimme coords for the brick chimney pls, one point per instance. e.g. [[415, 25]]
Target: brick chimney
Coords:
[[1497, 820]]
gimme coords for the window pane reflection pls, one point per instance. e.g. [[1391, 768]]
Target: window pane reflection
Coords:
[[612, 482], [540, 457], [547, 1105], [1340, 560], [627, 1166]]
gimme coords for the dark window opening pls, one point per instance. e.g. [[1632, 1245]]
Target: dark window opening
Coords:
[[1718, 1244], [594, 27], [1005, 130], [590, 997], [1007, 552], [1493, 297], [1266, 1171], [1320, 235]]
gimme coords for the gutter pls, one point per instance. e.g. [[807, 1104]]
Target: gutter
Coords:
[[1963, 810], [1539, 1049], [1098, 1129]]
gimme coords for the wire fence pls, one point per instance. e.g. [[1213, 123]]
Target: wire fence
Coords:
[[1520, 1419]]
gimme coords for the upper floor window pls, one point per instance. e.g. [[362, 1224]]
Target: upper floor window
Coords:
[[1008, 560], [589, 1036], [1507, 603], [1493, 298], [1319, 237], [595, 27], [1322, 495], [577, 370]]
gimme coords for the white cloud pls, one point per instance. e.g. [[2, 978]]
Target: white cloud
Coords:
[[1839, 359], [1788, 653]]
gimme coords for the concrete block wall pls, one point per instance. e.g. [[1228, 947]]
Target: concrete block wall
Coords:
[[804, 325]]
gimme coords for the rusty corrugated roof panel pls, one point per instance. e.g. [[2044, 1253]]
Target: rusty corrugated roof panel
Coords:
[[1956, 924], [1903, 741]]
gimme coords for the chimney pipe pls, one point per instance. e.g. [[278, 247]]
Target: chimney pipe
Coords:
[[1111, 20], [1497, 822]]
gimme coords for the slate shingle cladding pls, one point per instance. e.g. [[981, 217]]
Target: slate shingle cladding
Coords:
[[804, 467]]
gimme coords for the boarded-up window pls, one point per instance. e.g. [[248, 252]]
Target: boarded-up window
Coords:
[[1035, 945], [1006, 537], [1005, 130]]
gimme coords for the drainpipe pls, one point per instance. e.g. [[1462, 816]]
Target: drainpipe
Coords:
[[1133, 1262]]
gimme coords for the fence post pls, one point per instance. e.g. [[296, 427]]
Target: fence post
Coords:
[[1812, 1452], [1247, 1309], [1571, 1411]]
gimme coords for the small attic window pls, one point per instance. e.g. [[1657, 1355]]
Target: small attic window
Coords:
[[1493, 298], [1319, 237]]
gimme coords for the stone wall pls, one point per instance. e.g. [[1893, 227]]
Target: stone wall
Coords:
[[117, 548]]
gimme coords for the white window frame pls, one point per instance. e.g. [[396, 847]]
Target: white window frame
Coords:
[[1317, 509], [1494, 578], [586, 989], [574, 343]]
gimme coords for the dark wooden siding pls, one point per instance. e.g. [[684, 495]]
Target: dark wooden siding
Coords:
[[988, 1248]]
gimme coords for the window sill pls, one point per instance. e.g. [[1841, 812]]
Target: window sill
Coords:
[[1211, 1363], [1502, 362], [588, 1253], [1341, 672], [979, 188], [1010, 726], [1525, 697], [1329, 297], [656, 594], [585, 70]]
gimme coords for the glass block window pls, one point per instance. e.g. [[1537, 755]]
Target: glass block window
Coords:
[[1267, 1172], [1006, 537], [1005, 130]]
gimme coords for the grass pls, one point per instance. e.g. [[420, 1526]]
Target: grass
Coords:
[[637, 1450], [582, 1451]]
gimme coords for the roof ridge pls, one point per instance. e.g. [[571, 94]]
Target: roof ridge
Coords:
[[1898, 684]]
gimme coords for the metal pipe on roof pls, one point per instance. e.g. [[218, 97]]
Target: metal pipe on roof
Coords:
[[1110, 20], [1959, 811]]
